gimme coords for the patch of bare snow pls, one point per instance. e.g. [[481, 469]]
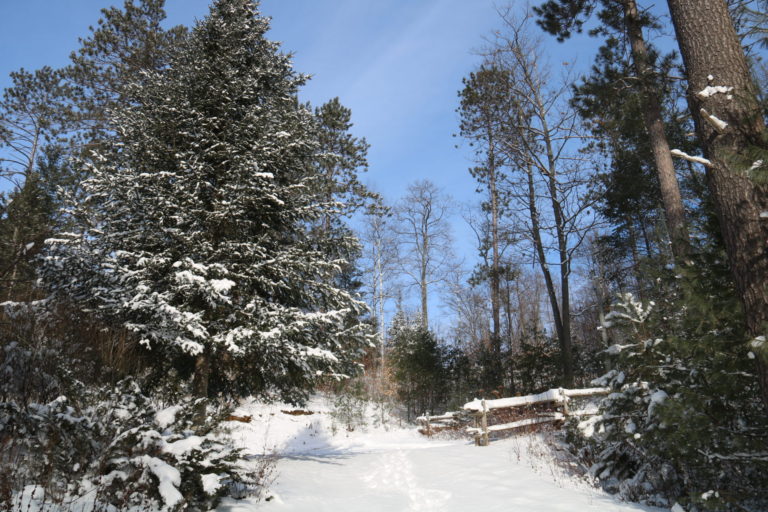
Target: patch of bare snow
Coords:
[[166, 416]]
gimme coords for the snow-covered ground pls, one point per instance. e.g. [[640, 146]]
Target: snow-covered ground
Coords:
[[323, 467]]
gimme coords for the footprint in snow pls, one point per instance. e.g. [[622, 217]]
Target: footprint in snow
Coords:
[[394, 472]]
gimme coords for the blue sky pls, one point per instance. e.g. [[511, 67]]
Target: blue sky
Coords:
[[397, 64]]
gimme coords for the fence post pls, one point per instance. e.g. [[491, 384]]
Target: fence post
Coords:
[[476, 416], [566, 412], [484, 425], [429, 427]]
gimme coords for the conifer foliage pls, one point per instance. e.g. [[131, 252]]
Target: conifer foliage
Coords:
[[195, 233], [417, 365]]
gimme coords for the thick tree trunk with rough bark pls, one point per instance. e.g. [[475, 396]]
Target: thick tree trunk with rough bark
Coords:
[[654, 125], [719, 85], [202, 374]]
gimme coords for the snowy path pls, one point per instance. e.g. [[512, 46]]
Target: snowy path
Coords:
[[400, 471]]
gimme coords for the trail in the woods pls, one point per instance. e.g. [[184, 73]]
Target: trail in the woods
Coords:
[[322, 468]]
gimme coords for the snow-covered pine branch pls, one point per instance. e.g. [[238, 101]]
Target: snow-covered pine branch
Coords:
[[685, 156], [718, 124]]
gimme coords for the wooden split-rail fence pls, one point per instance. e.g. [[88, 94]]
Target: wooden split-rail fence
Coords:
[[481, 418]]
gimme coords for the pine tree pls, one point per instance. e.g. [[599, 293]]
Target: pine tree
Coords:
[[25, 222], [417, 363], [560, 17], [684, 422], [484, 107], [195, 233], [341, 157], [34, 114], [629, 187], [731, 126], [124, 44]]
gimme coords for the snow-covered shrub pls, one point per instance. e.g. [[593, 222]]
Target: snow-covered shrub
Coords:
[[684, 423], [164, 459], [349, 406], [67, 434], [615, 443], [33, 365], [119, 447]]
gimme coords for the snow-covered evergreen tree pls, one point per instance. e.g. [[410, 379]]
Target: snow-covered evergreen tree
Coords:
[[417, 365], [195, 232], [684, 422]]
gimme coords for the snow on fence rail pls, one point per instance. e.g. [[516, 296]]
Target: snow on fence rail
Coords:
[[544, 418], [448, 421], [557, 396], [525, 411]]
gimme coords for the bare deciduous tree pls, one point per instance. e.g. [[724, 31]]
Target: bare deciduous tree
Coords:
[[548, 182], [381, 260], [424, 238]]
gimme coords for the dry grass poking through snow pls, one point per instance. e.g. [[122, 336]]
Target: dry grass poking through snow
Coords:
[[546, 454]]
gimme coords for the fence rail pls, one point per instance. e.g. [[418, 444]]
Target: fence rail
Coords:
[[513, 413]]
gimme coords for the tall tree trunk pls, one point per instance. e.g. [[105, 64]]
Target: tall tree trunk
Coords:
[[551, 291], [424, 297], [654, 125], [379, 309], [566, 347], [508, 317], [638, 275], [566, 343], [713, 56], [495, 266], [522, 315], [16, 256]]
